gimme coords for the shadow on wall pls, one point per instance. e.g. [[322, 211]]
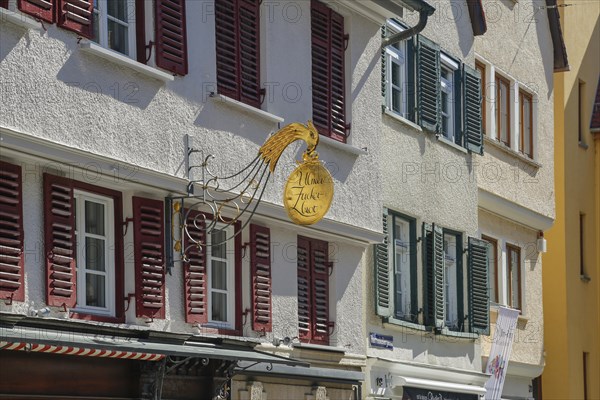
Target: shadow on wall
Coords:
[[99, 77], [11, 36]]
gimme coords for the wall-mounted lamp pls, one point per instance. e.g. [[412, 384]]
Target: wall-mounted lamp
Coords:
[[542, 245]]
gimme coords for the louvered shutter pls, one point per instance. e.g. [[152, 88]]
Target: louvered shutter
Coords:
[[428, 85], [171, 36], [149, 242], [320, 291], [42, 9], [196, 309], [76, 16], [384, 76], [328, 43], [382, 272], [304, 290], [60, 241], [11, 232], [260, 270], [249, 51], [479, 317], [472, 123], [237, 24], [433, 251]]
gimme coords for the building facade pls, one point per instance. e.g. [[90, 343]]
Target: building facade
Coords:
[[463, 222], [109, 110], [571, 287]]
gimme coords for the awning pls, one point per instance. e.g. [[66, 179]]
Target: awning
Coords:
[[93, 345]]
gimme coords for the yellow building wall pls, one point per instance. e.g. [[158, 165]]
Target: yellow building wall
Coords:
[[572, 302]]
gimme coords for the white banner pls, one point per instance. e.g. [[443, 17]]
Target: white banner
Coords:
[[500, 352]]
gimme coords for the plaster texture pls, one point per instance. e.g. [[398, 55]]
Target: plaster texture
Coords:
[[56, 94]]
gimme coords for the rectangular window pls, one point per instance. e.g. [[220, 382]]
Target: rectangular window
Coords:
[[113, 25], [328, 46], [237, 34], [449, 97], [513, 254], [403, 239], [493, 267], [453, 280], [313, 291], [581, 245], [396, 60], [503, 109], [586, 357], [221, 277], [526, 119], [94, 240], [581, 112], [479, 66]]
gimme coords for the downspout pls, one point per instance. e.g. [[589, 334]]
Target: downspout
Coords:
[[424, 12]]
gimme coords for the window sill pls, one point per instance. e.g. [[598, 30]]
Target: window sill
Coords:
[[348, 148], [451, 144], [99, 51], [400, 118], [460, 335], [508, 150], [583, 145], [98, 318], [19, 19], [320, 347], [246, 108], [398, 324]]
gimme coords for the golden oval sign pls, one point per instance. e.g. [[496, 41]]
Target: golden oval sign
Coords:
[[308, 193]]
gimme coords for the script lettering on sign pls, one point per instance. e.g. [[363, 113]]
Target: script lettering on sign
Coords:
[[308, 193]]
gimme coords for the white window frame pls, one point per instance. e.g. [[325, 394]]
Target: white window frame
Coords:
[[451, 255], [103, 17], [230, 279], [398, 56], [447, 85], [404, 269], [80, 197]]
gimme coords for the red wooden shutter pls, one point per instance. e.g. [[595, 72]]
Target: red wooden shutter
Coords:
[[196, 310], [76, 16], [320, 291], [328, 71], [304, 291], [4, 3], [149, 242], [11, 233], [42, 9], [171, 36], [60, 241], [260, 265], [238, 49]]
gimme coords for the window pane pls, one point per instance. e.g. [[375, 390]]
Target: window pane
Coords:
[[95, 294], [402, 269], [94, 218], [395, 74], [219, 245], [504, 121], [492, 272], [117, 9], [219, 275], [451, 292], [527, 125], [117, 37], [94, 254], [219, 307], [396, 100], [514, 276], [95, 25]]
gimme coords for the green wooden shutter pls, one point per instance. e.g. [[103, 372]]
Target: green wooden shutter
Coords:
[[382, 273], [472, 129], [383, 68], [429, 96], [433, 261], [479, 305]]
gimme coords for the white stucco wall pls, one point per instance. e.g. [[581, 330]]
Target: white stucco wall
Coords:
[[53, 91]]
